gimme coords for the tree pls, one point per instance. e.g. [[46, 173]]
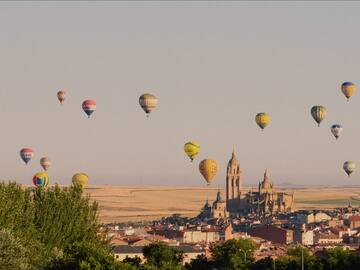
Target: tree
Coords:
[[12, 253], [263, 264], [199, 263], [233, 254], [136, 261], [337, 258], [87, 256], [163, 257]]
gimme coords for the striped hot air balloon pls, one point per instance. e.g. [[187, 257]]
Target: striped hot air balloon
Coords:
[[61, 95], [89, 106], [348, 89], [148, 103], [318, 112], [26, 154], [41, 179]]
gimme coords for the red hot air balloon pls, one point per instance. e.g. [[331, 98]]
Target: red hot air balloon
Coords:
[[26, 154], [61, 95], [89, 106]]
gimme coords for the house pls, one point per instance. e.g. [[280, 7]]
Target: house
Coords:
[[121, 252], [273, 234]]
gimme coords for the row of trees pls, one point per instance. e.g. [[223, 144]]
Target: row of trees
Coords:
[[231, 256], [57, 228]]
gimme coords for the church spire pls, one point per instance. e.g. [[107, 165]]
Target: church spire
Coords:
[[266, 175]]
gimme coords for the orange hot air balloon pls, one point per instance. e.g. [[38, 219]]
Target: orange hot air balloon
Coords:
[[209, 169], [61, 95]]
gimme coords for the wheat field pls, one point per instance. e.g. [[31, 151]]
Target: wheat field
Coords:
[[123, 204]]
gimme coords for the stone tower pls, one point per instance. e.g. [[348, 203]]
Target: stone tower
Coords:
[[233, 184]]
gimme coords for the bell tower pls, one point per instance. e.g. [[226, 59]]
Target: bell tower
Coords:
[[233, 184]]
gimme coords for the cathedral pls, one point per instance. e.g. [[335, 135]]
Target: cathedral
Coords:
[[265, 201]]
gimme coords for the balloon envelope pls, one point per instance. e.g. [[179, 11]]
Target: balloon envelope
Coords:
[[148, 102], [89, 106], [318, 112], [262, 119], [41, 179], [192, 149], [26, 154], [336, 130], [45, 162], [349, 167], [80, 179], [61, 95], [209, 169], [348, 89]]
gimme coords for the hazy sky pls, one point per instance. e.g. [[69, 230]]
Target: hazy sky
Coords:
[[212, 65]]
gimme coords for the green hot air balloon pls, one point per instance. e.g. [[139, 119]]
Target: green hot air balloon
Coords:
[[318, 112]]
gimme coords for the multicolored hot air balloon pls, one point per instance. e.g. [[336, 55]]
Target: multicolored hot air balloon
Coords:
[[348, 89], [89, 106], [349, 167], [80, 179], [61, 95], [336, 130], [26, 154], [262, 119], [45, 162], [318, 112], [192, 149], [41, 179], [209, 169], [148, 103]]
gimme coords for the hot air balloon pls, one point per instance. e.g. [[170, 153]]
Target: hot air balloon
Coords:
[[262, 119], [192, 149], [89, 106], [61, 95], [318, 113], [45, 162], [209, 169], [336, 130], [349, 167], [41, 179], [26, 154], [80, 179], [348, 89], [148, 103]]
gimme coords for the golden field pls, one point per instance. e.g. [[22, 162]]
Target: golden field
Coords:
[[121, 204]]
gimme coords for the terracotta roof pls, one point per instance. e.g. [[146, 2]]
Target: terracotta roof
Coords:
[[354, 218]]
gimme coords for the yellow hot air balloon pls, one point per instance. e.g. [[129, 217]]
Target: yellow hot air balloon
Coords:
[[80, 179], [192, 149], [209, 169], [348, 89], [148, 103], [262, 119]]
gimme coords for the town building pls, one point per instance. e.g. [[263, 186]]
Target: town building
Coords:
[[353, 222], [273, 234], [121, 252]]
